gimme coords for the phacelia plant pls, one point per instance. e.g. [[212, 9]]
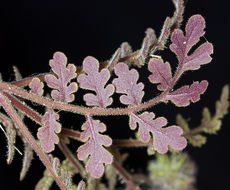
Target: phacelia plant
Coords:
[[99, 155]]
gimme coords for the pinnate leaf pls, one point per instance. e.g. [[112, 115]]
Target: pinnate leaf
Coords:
[[185, 94], [162, 137], [93, 148], [63, 90], [47, 133], [96, 81], [181, 45], [126, 83], [161, 73]]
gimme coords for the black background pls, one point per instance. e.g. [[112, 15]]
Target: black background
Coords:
[[31, 31]]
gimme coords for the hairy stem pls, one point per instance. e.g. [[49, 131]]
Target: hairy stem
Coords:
[[12, 89], [70, 133], [29, 138], [25, 109]]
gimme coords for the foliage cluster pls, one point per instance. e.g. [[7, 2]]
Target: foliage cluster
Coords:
[[99, 159]]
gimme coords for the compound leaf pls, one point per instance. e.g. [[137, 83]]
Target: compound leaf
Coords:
[[126, 83], [96, 81], [60, 81], [162, 137], [93, 148]]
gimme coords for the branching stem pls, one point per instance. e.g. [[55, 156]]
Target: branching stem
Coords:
[[6, 104]]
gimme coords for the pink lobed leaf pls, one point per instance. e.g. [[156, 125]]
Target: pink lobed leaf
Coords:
[[162, 137], [96, 81], [185, 94], [181, 45], [126, 83], [36, 86], [93, 148], [47, 133], [161, 73], [64, 91]]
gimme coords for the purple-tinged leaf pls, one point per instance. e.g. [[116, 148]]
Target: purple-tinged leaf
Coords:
[[149, 39], [165, 31], [47, 133], [181, 45], [93, 148], [161, 73], [96, 81], [162, 137], [114, 60], [185, 94], [64, 91], [126, 49], [36, 86], [126, 83], [178, 14]]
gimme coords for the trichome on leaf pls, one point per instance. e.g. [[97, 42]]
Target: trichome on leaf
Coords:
[[100, 154]]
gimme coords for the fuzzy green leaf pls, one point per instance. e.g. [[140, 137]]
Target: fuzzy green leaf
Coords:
[[223, 104], [213, 123], [197, 140], [183, 123], [45, 182]]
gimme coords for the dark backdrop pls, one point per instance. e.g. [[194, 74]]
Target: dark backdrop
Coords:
[[31, 31]]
